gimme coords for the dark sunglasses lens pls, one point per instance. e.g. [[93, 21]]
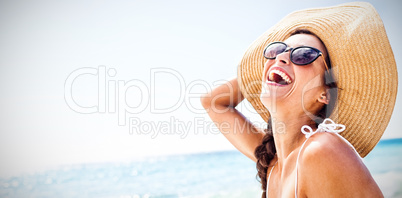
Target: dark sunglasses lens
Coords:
[[304, 56], [273, 50]]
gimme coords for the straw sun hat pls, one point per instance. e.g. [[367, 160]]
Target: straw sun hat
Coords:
[[362, 62]]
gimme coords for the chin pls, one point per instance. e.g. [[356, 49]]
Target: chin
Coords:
[[273, 91]]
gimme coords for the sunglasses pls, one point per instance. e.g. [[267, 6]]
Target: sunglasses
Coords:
[[302, 55]]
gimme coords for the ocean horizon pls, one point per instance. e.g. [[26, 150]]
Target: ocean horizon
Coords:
[[215, 174]]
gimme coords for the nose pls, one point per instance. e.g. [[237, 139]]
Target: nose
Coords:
[[284, 57]]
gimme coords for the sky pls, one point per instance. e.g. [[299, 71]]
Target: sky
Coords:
[[106, 81]]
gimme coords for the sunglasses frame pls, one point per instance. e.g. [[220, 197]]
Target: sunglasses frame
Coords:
[[291, 53]]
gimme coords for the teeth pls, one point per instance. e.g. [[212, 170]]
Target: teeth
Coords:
[[280, 73]]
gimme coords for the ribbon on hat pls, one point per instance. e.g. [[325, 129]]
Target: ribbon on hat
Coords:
[[326, 126]]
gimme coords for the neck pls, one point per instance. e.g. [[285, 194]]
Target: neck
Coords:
[[287, 134]]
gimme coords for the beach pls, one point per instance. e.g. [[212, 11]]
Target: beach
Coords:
[[216, 174]]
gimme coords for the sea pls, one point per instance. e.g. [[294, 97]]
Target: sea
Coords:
[[212, 175]]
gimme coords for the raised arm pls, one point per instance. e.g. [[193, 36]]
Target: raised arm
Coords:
[[220, 104]]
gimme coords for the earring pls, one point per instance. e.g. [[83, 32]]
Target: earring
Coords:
[[322, 97]]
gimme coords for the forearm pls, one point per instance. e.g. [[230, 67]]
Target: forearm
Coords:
[[224, 96], [220, 104]]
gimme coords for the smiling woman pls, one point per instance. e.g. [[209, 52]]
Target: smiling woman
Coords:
[[302, 76], [313, 62]]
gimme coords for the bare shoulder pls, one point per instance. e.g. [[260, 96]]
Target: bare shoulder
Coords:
[[331, 163], [330, 146]]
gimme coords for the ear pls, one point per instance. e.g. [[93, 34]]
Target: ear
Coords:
[[323, 98]]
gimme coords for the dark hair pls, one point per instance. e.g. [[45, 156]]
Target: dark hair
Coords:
[[266, 151]]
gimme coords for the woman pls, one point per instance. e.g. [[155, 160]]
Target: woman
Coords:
[[292, 158]]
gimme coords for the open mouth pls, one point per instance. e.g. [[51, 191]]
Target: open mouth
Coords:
[[279, 77]]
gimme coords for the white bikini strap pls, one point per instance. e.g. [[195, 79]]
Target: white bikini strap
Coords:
[[269, 177], [326, 126], [330, 127]]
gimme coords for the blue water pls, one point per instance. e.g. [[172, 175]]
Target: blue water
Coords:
[[218, 174], [385, 164]]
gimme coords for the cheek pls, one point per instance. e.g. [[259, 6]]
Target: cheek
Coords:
[[309, 77], [313, 83], [267, 65], [310, 85]]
